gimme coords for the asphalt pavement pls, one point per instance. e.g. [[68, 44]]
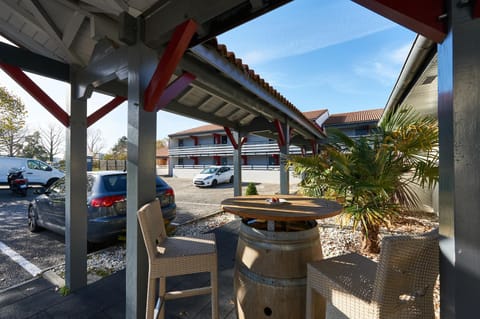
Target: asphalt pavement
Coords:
[[45, 249]]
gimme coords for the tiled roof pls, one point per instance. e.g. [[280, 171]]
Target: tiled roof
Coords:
[[354, 117], [200, 129], [313, 115], [162, 152], [222, 49]]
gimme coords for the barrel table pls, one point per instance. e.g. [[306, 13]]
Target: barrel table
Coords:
[[278, 236]]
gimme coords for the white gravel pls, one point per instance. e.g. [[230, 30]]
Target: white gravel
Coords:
[[336, 240]]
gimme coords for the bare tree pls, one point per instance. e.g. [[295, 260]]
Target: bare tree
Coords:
[[53, 140], [94, 142]]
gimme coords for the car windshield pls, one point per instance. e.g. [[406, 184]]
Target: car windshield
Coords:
[[115, 183], [209, 170]]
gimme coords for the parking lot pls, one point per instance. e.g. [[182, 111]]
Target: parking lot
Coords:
[[43, 250]]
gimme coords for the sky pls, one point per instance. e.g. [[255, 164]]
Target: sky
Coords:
[[319, 54]]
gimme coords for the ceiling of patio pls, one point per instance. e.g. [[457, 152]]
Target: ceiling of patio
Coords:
[[84, 32]]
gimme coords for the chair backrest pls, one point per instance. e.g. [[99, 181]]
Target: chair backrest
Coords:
[[152, 225], [407, 269]]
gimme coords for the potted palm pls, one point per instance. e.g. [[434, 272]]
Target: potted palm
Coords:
[[375, 175]]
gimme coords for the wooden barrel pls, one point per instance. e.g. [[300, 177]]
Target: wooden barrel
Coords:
[[270, 271]]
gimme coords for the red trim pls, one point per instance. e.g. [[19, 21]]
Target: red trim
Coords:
[[244, 160], [230, 137], [276, 157], [216, 138], [195, 139], [476, 9], [176, 47], [281, 136], [419, 16], [314, 147], [174, 89], [104, 110], [217, 160], [195, 159], [37, 93]]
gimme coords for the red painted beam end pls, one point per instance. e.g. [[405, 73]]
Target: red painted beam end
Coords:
[[37, 93], [476, 9], [423, 17], [281, 136], [168, 63], [230, 137]]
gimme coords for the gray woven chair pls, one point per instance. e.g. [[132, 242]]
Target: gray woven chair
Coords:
[[400, 286], [174, 256]]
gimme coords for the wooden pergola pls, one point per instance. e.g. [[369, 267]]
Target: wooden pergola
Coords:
[[160, 54]]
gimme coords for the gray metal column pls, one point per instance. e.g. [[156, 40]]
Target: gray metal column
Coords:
[[284, 149], [459, 203], [76, 190], [237, 165], [141, 172]]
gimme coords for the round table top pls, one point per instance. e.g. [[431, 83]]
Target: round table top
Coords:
[[289, 208]]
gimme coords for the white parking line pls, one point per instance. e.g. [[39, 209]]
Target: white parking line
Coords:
[[16, 257]]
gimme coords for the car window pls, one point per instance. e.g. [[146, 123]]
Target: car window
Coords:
[[90, 182], [209, 170], [58, 188], [34, 164], [115, 183]]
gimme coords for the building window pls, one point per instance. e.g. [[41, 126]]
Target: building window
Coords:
[[180, 161], [224, 161], [224, 139], [180, 142], [360, 131]]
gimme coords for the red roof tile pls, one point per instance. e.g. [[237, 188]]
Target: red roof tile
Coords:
[[314, 115], [354, 117], [200, 129]]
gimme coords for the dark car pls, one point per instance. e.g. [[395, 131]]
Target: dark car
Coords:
[[106, 205]]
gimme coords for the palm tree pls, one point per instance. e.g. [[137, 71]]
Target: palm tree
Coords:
[[375, 175]]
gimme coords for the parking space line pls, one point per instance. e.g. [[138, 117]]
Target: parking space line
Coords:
[[16, 257]]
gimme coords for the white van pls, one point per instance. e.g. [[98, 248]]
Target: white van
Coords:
[[36, 171]]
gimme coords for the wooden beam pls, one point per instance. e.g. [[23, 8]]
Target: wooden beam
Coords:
[[230, 137], [104, 110], [174, 89], [37, 93], [281, 135], [425, 17], [168, 63]]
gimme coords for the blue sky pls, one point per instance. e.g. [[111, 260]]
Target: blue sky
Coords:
[[319, 54]]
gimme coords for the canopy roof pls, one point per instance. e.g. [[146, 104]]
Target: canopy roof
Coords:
[[95, 34]]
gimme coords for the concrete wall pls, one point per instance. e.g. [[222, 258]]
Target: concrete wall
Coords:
[[255, 176]]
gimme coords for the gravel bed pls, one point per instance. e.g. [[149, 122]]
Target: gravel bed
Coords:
[[336, 240]]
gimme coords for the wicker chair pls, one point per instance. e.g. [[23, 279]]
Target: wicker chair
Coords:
[[400, 286], [174, 256]]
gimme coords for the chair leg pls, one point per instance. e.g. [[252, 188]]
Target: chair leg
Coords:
[[151, 296], [214, 296], [315, 303], [161, 293]]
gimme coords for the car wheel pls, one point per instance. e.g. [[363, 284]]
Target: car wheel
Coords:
[[231, 179], [214, 183], [32, 220]]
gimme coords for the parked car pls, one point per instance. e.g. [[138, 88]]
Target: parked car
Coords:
[[213, 175], [106, 205], [36, 171]]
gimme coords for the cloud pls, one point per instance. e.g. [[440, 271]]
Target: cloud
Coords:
[[311, 25]]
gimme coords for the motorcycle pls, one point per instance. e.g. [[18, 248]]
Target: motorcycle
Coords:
[[17, 183]]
